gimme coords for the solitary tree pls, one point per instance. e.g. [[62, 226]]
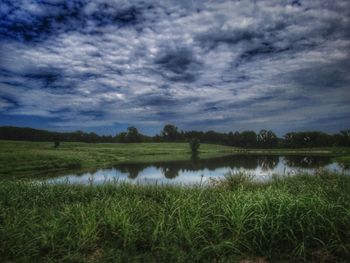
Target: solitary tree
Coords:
[[194, 145], [56, 143]]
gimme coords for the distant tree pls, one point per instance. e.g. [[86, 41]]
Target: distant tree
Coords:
[[157, 138], [342, 138], [121, 137], [194, 145], [170, 132], [56, 143], [267, 139], [307, 139], [91, 137], [245, 139], [214, 137], [345, 133], [234, 139], [289, 139], [248, 139], [78, 136], [133, 135]]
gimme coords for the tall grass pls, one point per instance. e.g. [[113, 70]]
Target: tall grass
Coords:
[[301, 218]]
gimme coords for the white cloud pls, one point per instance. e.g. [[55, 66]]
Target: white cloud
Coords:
[[239, 57]]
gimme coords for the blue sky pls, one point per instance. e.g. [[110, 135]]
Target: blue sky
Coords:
[[103, 65]]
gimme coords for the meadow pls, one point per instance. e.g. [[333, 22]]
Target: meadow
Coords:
[[301, 218]]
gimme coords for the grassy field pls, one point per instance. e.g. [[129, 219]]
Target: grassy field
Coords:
[[295, 219], [19, 160], [37, 159], [300, 218]]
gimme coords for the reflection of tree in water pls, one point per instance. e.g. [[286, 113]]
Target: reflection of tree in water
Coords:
[[195, 157], [344, 166], [172, 169], [268, 162], [250, 162], [307, 161], [170, 172], [132, 169], [168, 169]]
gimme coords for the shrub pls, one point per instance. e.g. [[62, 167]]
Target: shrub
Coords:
[[56, 143], [194, 145]]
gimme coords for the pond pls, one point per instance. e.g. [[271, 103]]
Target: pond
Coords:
[[200, 171]]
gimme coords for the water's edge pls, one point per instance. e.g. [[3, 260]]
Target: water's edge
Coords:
[[201, 171]]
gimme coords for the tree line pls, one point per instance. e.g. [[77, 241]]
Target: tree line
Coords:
[[170, 133]]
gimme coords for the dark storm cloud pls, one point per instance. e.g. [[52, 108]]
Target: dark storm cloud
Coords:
[[36, 21], [47, 77], [158, 101], [199, 64], [7, 103], [178, 64], [322, 76]]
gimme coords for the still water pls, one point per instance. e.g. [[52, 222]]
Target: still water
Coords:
[[200, 171]]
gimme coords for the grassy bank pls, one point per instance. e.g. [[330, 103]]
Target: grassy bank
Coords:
[[339, 154], [343, 159], [299, 151], [20, 159], [293, 219]]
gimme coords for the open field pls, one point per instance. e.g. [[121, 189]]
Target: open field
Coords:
[[306, 217], [19, 160]]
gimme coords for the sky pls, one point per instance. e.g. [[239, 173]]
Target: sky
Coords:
[[104, 65]]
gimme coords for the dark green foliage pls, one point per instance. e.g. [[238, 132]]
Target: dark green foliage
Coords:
[[343, 138], [133, 135], [293, 219], [56, 143], [194, 145], [248, 139], [170, 133], [29, 134], [121, 137], [307, 139], [267, 139]]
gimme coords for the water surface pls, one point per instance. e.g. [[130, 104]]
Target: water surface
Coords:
[[201, 171]]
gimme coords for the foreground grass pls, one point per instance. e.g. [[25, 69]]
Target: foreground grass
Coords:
[[20, 159], [301, 218]]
